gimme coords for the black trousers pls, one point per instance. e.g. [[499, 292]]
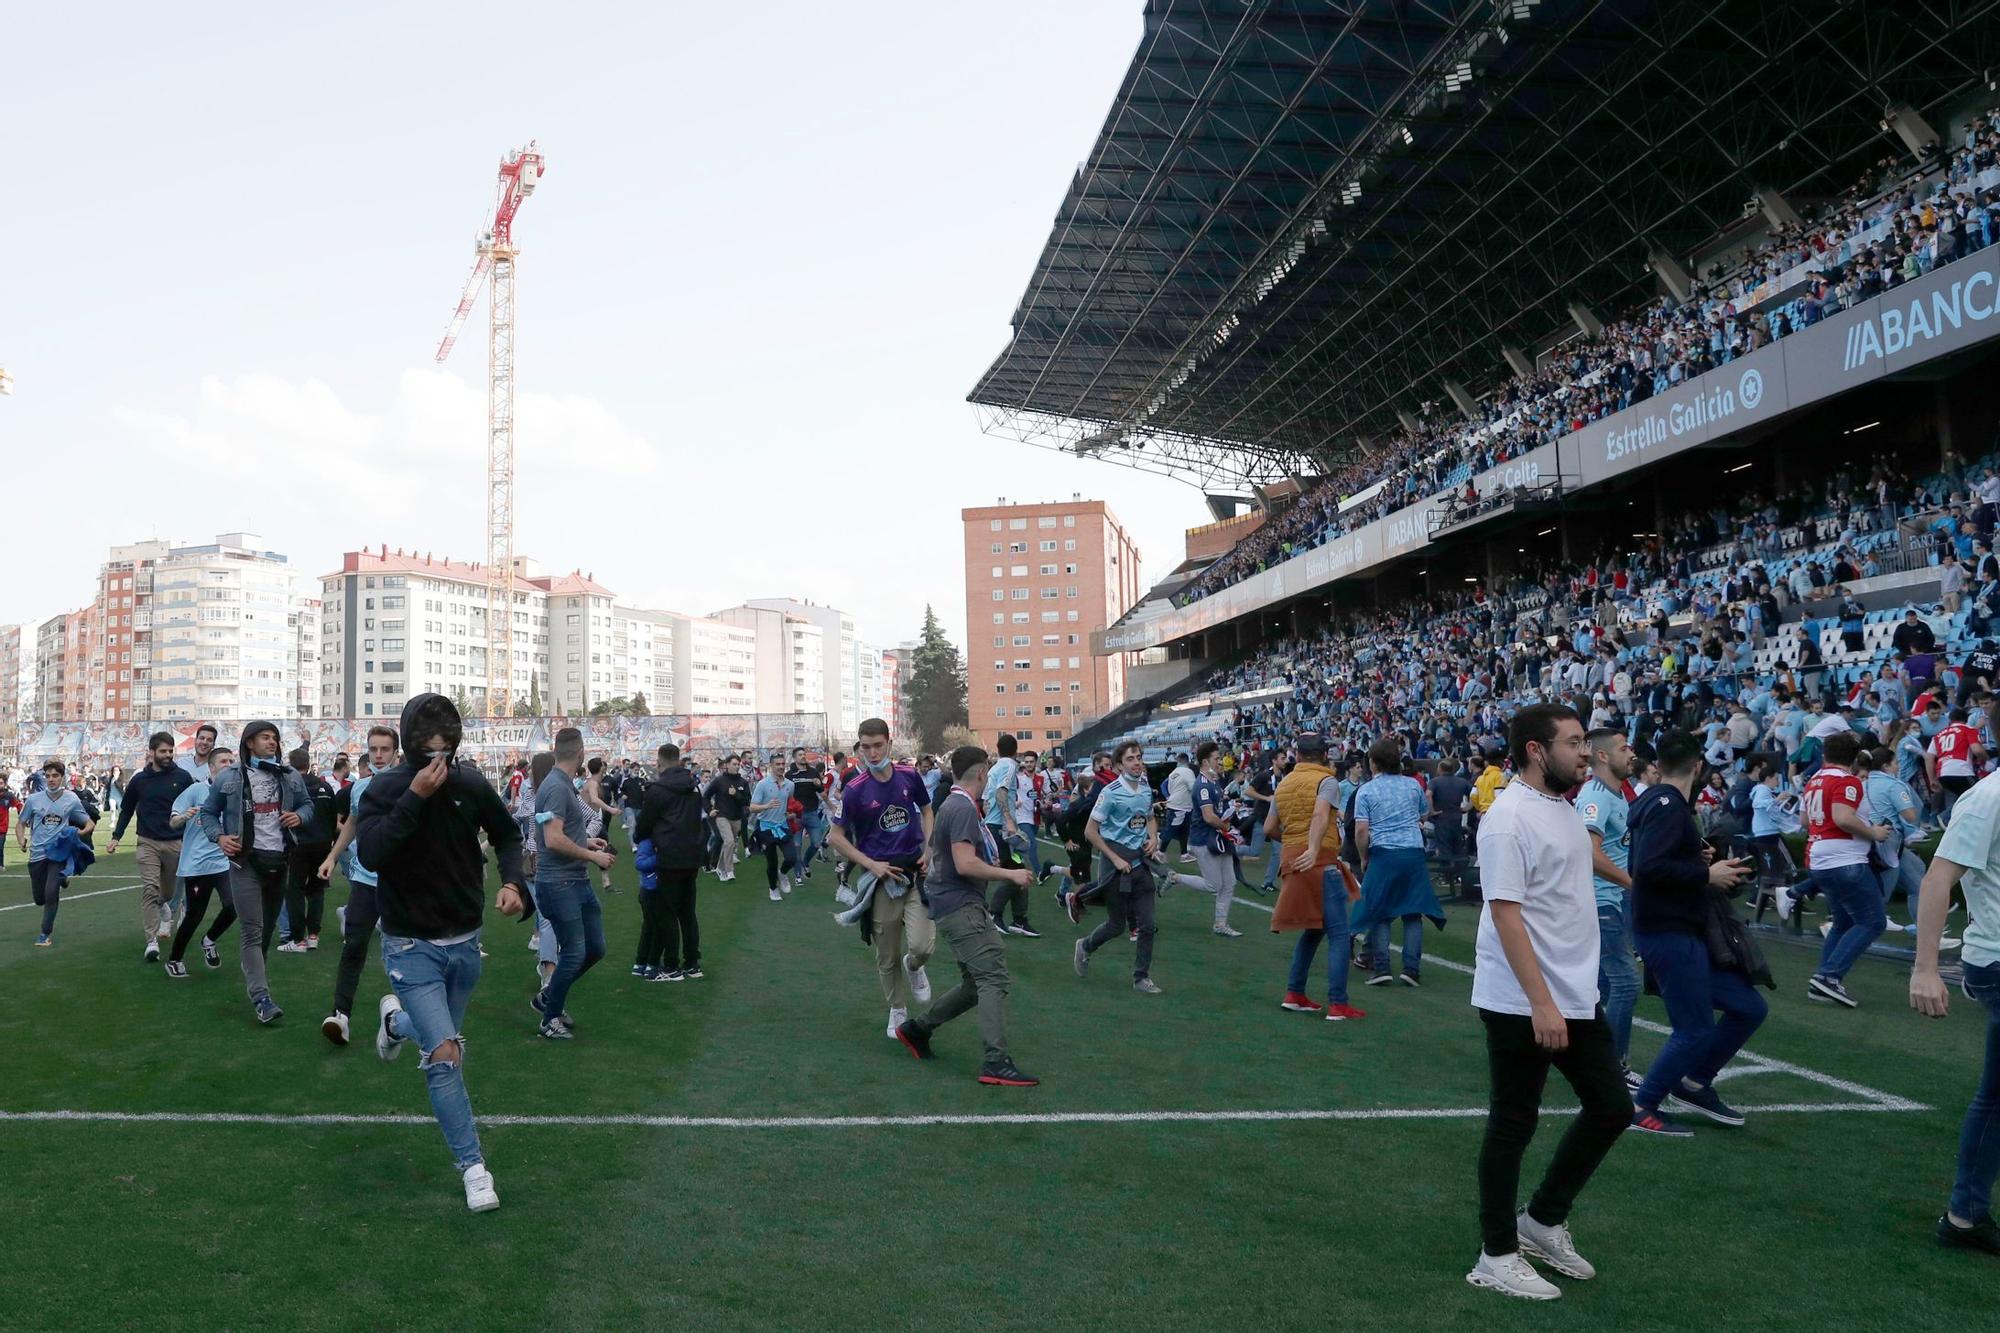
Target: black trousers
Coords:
[[1003, 894], [305, 891], [360, 917], [1520, 1070], [669, 936], [200, 888], [1131, 895]]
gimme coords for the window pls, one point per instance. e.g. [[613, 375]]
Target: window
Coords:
[[996, 525], [1020, 687], [996, 548], [1052, 735], [1017, 524], [1069, 569], [1069, 615], [1000, 688], [1020, 594], [1052, 687], [1047, 521], [1069, 543], [1051, 617], [1020, 641], [1017, 548], [1001, 711], [999, 641], [1069, 520], [1016, 571], [1024, 712], [1046, 570], [996, 571], [1048, 639], [572, 617], [1052, 710], [1050, 594], [1051, 664], [1075, 687], [1020, 617], [1024, 664], [1071, 637], [999, 594], [1049, 545], [1075, 662], [999, 617]]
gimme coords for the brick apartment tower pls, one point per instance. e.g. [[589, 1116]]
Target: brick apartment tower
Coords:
[[1039, 578]]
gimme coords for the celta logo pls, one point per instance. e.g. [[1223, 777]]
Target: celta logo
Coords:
[[1901, 327], [1750, 389]]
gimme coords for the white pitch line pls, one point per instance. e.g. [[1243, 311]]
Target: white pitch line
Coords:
[[853, 1121], [1887, 1101], [69, 898]]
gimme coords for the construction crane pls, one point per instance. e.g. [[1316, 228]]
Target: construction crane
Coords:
[[494, 256]]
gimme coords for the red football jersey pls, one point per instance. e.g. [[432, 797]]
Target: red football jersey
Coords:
[[1827, 844], [1954, 746]]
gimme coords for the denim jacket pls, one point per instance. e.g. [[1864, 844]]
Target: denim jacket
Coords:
[[222, 812]]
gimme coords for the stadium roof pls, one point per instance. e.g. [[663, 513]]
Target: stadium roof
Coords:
[[1302, 217]]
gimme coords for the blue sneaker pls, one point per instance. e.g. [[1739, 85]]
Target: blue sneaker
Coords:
[[268, 1010], [43, 942], [1703, 1101]]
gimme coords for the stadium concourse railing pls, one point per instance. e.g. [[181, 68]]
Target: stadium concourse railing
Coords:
[[1951, 308], [491, 742]]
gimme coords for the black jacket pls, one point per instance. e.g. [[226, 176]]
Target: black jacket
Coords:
[[729, 795], [1074, 821], [671, 816], [150, 794], [431, 876], [1669, 878], [321, 826]]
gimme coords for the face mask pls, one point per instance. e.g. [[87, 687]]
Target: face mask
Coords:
[[881, 769]]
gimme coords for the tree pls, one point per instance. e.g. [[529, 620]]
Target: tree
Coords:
[[461, 701], [936, 696], [638, 707], [955, 736], [615, 707]]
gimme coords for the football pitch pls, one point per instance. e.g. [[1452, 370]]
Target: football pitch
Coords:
[[750, 1151]]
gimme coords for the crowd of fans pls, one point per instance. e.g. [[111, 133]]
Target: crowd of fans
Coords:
[[1660, 635], [1880, 234]]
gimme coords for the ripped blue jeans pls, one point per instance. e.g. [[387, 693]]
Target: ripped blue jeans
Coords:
[[434, 982]]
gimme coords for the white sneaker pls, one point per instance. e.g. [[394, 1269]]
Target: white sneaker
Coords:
[[1552, 1246], [897, 1017], [920, 982], [534, 940], [1513, 1276], [777, 897], [1224, 929], [291, 948], [1784, 898], [334, 1028], [386, 1046], [479, 1193], [1949, 942]]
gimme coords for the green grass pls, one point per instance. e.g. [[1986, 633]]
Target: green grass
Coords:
[[1795, 1221]]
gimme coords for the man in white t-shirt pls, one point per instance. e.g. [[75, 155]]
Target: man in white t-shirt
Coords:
[[1969, 856], [1535, 986]]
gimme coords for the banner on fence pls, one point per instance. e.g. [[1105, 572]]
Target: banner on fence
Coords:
[[493, 742]]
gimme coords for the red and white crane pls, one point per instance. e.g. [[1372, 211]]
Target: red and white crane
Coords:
[[494, 255]]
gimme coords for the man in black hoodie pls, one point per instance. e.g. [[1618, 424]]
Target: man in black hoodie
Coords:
[[671, 815], [419, 827], [1673, 888]]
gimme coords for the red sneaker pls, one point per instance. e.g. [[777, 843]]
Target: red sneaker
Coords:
[[1337, 1012], [1299, 1004]]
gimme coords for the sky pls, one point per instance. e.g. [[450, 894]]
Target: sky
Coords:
[[775, 246]]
